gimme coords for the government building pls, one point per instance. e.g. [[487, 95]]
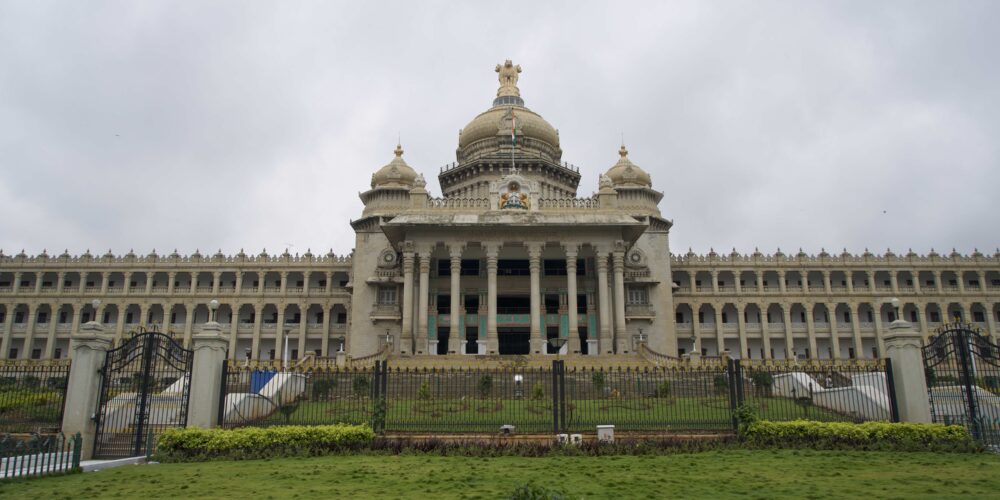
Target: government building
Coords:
[[510, 260]]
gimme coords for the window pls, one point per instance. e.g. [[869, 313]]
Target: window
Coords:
[[913, 316], [679, 318], [973, 282], [802, 316], [319, 319], [701, 317], [638, 296], [581, 304], [513, 267], [871, 317], [554, 267], [697, 282], [725, 318], [58, 353], [581, 267], [551, 304], [444, 304], [341, 318], [387, 296], [847, 317], [12, 354], [472, 304], [128, 317], [909, 282], [36, 354], [470, 267], [43, 317], [935, 317], [978, 317], [443, 267], [300, 283], [321, 284]]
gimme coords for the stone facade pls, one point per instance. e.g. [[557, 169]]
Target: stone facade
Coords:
[[509, 258]]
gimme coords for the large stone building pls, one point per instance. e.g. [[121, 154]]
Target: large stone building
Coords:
[[508, 258]]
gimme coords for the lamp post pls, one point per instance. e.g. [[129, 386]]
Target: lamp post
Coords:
[[557, 343], [213, 305], [95, 304]]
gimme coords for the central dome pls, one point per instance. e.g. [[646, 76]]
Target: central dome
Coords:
[[508, 115], [496, 122]]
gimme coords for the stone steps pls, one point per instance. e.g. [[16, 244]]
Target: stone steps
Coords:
[[578, 362]]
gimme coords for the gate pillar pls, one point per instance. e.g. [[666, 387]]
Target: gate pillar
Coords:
[[209, 346], [90, 347], [902, 346]]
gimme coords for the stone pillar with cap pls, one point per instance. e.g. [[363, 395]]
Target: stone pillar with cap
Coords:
[[210, 345], [90, 347], [903, 347]]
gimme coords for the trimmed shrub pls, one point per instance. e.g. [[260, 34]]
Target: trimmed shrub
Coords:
[[360, 385], [598, 380], [762, 382], [321, 387], [866, 436], [424, 392], [193, 444]]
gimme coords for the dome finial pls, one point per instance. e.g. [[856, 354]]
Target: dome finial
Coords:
[[508, 72], [399, 150], [622, 151]]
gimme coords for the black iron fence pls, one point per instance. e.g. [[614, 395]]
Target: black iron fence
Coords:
[[39, 455], [32, 394], [682, 397]]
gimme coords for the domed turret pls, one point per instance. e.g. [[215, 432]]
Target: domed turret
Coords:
[[626, 173], [397, 174]]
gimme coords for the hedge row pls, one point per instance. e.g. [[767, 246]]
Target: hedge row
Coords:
[[865, 436], [190, 444]]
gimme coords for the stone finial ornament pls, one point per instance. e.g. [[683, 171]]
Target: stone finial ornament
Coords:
[[508, 72]]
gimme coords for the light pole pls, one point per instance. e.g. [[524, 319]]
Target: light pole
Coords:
[[213, 305]]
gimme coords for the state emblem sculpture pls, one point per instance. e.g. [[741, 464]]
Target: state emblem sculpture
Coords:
[[508, 78], [514, 197]]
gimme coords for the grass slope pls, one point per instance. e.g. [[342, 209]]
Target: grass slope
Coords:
[[723, 474]]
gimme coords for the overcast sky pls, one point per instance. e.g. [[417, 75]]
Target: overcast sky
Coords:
[[207, 125]]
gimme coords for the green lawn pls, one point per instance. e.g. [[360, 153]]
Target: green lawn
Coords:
[[487, 415], [725, 474]]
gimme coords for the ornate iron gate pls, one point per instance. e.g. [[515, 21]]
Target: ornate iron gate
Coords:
[[962, 368], [145, 385]]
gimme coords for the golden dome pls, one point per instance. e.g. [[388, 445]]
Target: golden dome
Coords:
[[396, 174], [497, 122], [626, 173]]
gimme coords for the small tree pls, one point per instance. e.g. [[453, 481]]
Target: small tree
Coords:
[[598, 380], [762, 382], [485, 386], [424, 392], [360, 385], [721, 384], [663, 389], [538, 391], [321, 387]]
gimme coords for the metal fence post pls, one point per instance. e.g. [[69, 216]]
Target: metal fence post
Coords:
[[890, 386], [731, 367], [555, 397], [77, 448], [223, 391]]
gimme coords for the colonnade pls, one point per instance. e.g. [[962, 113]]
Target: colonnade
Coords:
[[610, 304]]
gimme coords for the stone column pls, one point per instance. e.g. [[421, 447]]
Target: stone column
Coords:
[[894, 281], [789, 338], [16, 285], [306, 275], [149, 282], [982, 281], [742, 326], [90, 346], [759, 276], [535, 266], [329, 282], [765, 329], [850, 280], [455, 308], [234, 330], [325, 341], [50, 341], [811, 329], [105, 279], [715, 281], [258, 313], [279, 334], [618, 259], [284, 283], [879, 334], [209, 347], [8, 333], [423, 335], [805, 280], [720, 336], [903, 348], [937, 282], [856, 325], [871, 280], [171, 279], [571, 303], [303, 328], [827, 286], [406, 333], [239, 283], [831, 314], [604, 346], [29, 332], [781, 281], [216, 277], [188, 324], [492, 340], [737, 277]]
